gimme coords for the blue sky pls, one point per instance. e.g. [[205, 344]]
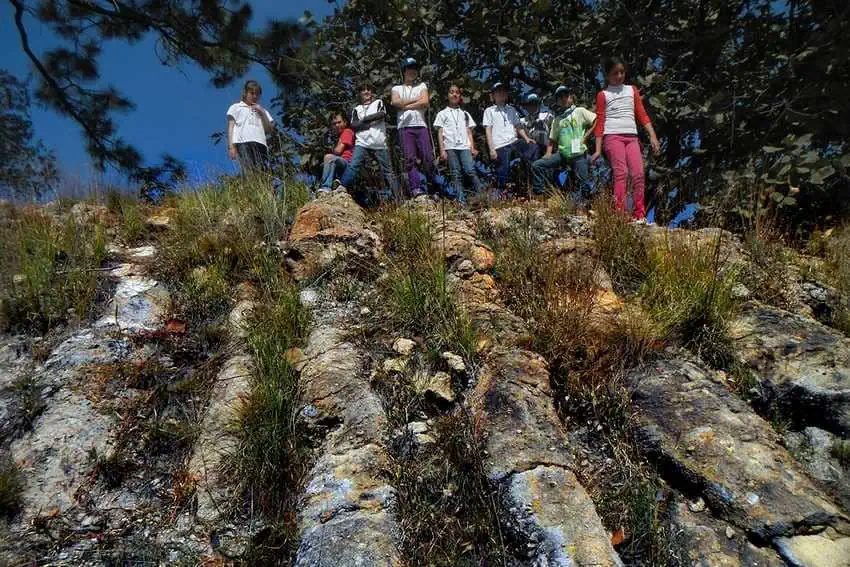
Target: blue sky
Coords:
[[176, 108]]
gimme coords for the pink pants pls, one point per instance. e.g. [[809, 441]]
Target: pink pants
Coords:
[[623, 153]]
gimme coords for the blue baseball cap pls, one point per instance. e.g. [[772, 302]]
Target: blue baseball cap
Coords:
[[498, 85], [409, 63], [531, 98], [562, 91]]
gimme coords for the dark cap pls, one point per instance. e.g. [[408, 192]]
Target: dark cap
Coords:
[[562, 91], [409, 63], [531, 98], [498, 85]]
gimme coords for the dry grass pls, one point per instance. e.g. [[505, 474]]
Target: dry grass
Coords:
[[48, 270]]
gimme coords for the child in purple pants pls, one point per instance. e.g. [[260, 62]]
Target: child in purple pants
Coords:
[[411, 99]]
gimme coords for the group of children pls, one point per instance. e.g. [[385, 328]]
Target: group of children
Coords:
[[547, 143]]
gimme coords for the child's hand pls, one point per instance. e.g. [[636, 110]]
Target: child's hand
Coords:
[[530, 141], [656, 145], [474, 152], [493, 154], [444, 155], [231, 152], [595, 156]]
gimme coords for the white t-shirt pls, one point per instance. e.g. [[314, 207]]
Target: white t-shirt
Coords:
[[410, 118], [249, 126], [504, 121], [620, 110], [374, 137], [454, 122]]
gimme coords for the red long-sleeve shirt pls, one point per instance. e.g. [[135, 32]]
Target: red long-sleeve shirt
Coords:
[[619, 110]]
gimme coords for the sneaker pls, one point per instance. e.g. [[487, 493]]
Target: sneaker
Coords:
[[416, 193], [639, 221], [336, 184], [324, 190], [340, 188]]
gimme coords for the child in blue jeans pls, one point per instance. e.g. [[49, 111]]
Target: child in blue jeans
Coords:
[[454, 135], [367, 121], [504, 131]]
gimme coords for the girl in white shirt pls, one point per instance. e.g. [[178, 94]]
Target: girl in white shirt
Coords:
[[248, 124], [411, 99], [457, 147]]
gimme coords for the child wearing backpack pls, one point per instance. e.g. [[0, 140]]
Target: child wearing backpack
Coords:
[[504, 130], [367, 121], [454, 135], [411, 99], [619, 109], [567, 145]]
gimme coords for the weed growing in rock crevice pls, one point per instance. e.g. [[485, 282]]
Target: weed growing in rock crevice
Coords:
[[273, 453], [416, 289], [11, 486]]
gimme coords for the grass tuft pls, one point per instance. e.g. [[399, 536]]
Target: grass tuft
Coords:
[[274, 450], [416, 288], [622, 248], [48, 270]]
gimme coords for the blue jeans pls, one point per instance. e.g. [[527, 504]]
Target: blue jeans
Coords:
[[460, 165], [382, 156], [543, 169], [505, 154], [332, 169]]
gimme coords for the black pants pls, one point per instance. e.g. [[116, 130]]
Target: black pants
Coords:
[[253, 157]]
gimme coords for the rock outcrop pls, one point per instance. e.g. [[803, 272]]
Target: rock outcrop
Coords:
[[711, 442], [802, 365]]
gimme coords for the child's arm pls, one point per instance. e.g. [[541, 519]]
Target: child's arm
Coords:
[[396, 100], [268, 125], [231, 149], [644, 120], [488, 130], [521, 133], [443, 155], [472, 147], [599, 128], [422, 102]]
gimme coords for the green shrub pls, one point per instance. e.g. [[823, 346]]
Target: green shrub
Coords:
[[48, 268]]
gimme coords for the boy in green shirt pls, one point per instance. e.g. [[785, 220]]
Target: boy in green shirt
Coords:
[[567, 145]]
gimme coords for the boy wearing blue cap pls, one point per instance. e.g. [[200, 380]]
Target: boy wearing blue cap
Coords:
[[567, 146], [411, 99], [504, 130], [537, 124]]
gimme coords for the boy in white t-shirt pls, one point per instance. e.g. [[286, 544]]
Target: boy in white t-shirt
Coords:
[[367, 121], [504, 130], [454, 135], [411, 99], [248, 124]]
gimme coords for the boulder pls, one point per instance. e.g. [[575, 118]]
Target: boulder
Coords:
[[710, 440], [578, 253], [456, 240], [803, 366], [328, 232], [826, 549], [816, 451]]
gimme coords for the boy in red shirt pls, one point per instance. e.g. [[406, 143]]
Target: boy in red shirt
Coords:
[[335, 163]]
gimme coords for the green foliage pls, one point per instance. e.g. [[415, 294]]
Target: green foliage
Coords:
[[47, 268], [28, 169], [131, 215], [416, 287]]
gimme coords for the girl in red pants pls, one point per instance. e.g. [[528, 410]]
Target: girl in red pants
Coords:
[[618, 111]]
